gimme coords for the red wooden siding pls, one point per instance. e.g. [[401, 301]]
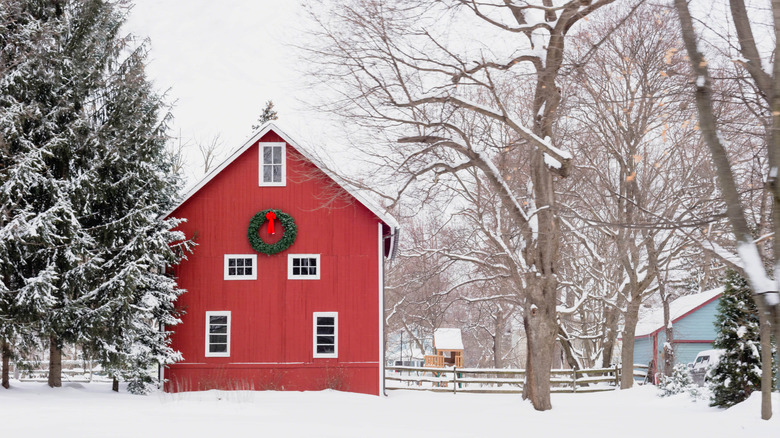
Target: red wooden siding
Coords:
[[271, 317]]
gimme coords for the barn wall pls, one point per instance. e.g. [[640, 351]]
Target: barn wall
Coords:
[[271, 317]]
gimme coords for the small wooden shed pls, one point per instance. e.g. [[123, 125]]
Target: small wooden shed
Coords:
[[448, 349]]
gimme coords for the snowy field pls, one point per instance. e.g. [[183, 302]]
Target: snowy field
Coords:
[[92, 410]]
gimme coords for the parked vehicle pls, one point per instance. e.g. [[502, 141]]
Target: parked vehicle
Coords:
[[705, 361]]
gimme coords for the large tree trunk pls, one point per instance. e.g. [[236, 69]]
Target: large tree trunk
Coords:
[[497, 342], [627, 352], [6, 352], [55, 363], [610, 329], [568, 349], [668, 347], [541, 328], [765, 333]]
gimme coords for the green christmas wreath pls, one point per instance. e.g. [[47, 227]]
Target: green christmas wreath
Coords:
[[290, 232]]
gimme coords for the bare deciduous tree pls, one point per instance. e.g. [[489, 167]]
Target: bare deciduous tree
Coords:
[[452, 102], [767, 86]]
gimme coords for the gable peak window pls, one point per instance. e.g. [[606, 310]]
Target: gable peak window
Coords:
[[273, 164]]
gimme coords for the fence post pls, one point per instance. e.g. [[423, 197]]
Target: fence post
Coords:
[[617, 376], [454, 380], [574, 380]]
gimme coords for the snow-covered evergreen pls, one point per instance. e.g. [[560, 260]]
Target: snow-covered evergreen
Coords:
[[738, 373], [83, 182]]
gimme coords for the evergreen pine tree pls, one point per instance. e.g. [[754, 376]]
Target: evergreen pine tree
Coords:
[[83, 182], [268, 114], [738, 373]]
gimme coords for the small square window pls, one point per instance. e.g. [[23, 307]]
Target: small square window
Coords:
[[240, 267], [303, 267]]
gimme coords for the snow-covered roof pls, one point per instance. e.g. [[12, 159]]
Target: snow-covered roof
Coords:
[[447, 339], [654, 320], [368, 203]]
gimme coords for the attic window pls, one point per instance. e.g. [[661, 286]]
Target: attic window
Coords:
[[273, 168]]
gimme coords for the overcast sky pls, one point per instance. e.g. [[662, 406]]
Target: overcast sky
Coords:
[[221, 61]]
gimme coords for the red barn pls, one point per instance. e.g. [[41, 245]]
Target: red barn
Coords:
[[300, 309]]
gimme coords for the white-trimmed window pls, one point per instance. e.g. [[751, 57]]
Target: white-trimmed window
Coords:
[[303, 267], [326, 334], [273, 167], [218, 334], [240, 266]]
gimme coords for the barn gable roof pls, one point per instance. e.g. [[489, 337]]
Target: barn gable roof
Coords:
[[366, 202], [653, 321]]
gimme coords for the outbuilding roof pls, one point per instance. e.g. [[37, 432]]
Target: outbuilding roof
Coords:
[[447, 339], [653, 321]]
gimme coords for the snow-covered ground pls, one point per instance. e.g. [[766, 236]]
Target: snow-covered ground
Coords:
[[92, 410]]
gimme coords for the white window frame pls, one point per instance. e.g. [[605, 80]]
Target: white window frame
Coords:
[[261, 147], [291, 276], [241, 256], [209, 314], [335, 316]]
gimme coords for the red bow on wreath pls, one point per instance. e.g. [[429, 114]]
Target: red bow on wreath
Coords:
[[270, 216]]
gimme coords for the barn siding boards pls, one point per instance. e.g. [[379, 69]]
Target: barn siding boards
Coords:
[[272, 316]]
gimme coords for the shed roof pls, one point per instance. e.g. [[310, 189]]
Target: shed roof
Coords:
[[447, 339], [653, 321]]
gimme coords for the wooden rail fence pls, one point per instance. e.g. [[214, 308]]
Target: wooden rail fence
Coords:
[[505, 381]]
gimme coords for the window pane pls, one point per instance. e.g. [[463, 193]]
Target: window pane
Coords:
[[231, 262], [277, 173], [217, 348], [296, 271], [219, 319], [323, 340], [304, 271], [296, 262], [267, 154], [239, 262], [312, 262], [239, 271], [217, 328], [231, 271], [247, 262], [325, 320], [267, 177], [312, 271], [304, 262], [277, 155], [326, 330], [326, 349], [218, 339], [247, 271]]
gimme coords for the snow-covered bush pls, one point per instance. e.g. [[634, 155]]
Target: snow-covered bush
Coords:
[[679, 382]]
